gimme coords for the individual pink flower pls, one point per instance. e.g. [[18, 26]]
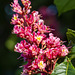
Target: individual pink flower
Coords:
[[34, 49], [27, 30], [33, 17], [53, 41], [52, 53], [63, 51], [41, 27], [30, 37], [29, 19], [39, 37], [16, 7], [15, 19], [41, 65], [22, 47], [41, 51], [18, 48], [36, 16], [26, 3], [44, 29], [19, 30], [16, 29], [27, 11], [34, 64]]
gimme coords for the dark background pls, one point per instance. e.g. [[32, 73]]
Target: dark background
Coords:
[[9, 64]]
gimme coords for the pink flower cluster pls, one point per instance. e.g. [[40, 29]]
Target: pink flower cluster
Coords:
[[39, 47]]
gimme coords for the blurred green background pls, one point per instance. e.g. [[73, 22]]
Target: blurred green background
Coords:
[[9, 64]]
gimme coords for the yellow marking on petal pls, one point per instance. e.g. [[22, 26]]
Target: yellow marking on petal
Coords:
[[15, 8], [46, 28], [35, 30], [40, 64], [63, 50], [39, 38], [15, 17]]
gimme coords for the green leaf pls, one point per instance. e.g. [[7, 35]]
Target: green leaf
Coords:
[[72, 53], [71, 35], [64, 5], [73, 50], [65, 68]]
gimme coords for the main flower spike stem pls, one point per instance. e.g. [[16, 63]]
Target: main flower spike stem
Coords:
[[55, 63]]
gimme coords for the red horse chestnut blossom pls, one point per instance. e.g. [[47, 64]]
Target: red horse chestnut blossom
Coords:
[[39, 47]]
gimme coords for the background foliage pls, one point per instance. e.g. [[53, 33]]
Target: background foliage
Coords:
[[65, 16]]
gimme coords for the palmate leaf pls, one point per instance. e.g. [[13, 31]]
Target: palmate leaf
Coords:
[[65, 68], [64, 5]]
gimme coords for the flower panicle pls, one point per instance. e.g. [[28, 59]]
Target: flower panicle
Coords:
[[40, 52]]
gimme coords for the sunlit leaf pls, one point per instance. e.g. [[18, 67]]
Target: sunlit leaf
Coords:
[[65, 68]]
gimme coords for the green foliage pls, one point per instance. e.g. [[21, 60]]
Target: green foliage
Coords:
[[72, 53], [65, 68], [71, 35], [73, 50], [64, 5]]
